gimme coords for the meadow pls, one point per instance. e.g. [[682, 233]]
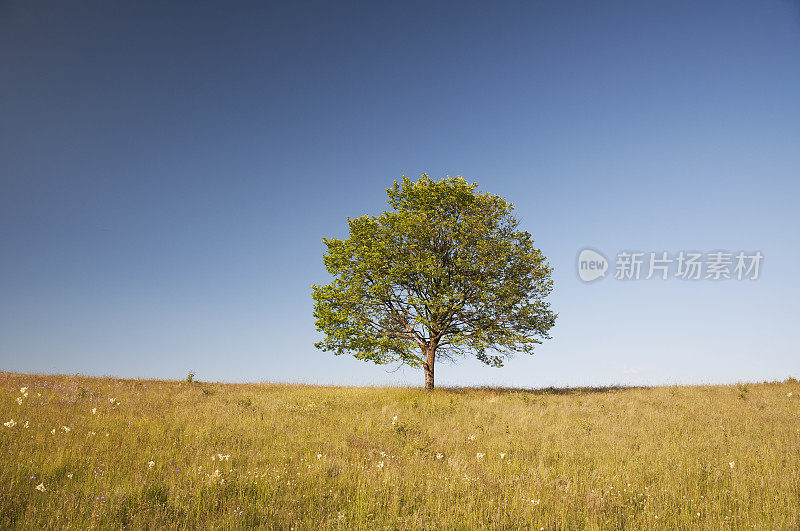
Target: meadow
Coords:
[[87, 453]]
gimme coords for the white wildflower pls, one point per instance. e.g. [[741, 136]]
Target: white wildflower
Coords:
[[439, 455], [69, 475], [113, 401], [150, 465], [66, 429], [25, 425], [23, 390], [53, 431], [502, 455], [19, 400], [319, 456], [536, 502], [471, 438], [94, 410], [40, 487], [789, 395], [479, 455], [380, 465], [394, 420], [10, 424], [732, 464]]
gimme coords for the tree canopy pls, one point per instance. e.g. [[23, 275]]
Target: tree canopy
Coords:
[[446, 273]]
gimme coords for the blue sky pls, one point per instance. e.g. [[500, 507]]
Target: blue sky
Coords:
[[167, 173]]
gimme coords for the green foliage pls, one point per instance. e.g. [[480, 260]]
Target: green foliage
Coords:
[[190, 377], [742, 391], [445, 273]]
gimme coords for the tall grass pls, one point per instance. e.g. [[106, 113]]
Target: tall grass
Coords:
[[170, 454]]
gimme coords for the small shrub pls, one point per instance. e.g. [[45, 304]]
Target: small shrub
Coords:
[[190, 377], [743, 391]]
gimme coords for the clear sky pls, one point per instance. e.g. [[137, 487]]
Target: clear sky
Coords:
[[167, 173]]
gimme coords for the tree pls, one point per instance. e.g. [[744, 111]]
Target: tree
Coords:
[[446, 273]]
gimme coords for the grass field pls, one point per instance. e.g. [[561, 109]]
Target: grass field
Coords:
[[97, 453]]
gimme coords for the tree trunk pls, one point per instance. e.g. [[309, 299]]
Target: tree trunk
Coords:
[[428, 366]]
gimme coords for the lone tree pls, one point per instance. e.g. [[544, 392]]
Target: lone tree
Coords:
[[448, 272]]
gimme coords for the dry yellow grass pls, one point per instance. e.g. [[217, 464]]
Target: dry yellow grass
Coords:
[[308, 457]]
